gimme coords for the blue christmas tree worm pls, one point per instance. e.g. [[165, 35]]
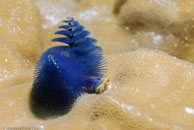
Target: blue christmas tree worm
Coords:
[[63, 73]]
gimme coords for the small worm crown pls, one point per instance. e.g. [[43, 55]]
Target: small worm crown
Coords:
[[74, 34]]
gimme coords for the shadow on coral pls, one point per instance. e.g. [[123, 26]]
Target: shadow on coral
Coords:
[[45, 111]]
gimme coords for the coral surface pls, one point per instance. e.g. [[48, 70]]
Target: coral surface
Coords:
[[149, 45]]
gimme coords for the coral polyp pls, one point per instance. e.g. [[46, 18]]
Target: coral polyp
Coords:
[[63, 73]]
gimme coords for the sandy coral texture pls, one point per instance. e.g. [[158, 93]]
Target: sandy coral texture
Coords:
[[149, 45]]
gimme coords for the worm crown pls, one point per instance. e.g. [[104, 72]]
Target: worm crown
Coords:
[[63, 73]]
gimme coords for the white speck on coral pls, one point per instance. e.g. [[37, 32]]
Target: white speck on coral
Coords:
[[189, 110], [6, 60], [40, 127], [110, 85], [10, 104], [122, 105], [157, 65], [164, 2], [156, 39], [127, 28], [150, 119], [178, 64], [128, 108]]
